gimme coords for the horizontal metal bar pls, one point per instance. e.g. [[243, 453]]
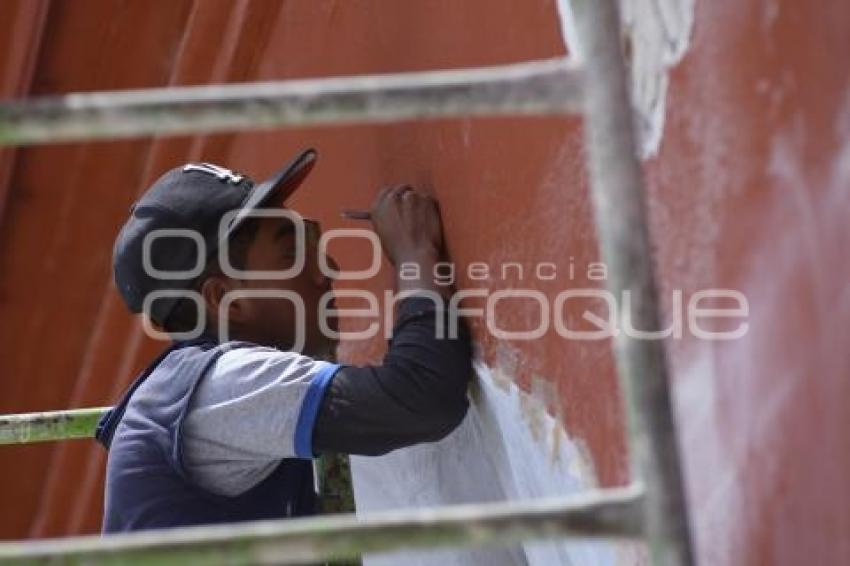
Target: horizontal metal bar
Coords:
[[550, 86], [27, 428], [611, 512]]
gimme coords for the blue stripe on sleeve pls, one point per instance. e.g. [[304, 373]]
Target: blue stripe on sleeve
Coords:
[[310, 410]]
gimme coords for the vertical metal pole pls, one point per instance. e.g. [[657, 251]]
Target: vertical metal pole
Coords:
[[618, 196]]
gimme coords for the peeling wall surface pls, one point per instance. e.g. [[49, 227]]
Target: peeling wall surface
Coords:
[[743, 112]]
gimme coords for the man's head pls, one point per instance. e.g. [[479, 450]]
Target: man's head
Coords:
[[196, 243]]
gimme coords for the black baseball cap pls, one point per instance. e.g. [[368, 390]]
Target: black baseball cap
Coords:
[[157, 248]]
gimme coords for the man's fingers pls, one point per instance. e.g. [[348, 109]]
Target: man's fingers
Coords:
[[399, 192], [386, 196], [398, 195], [382, 196]]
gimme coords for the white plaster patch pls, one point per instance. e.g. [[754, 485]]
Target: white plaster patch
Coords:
[[507, 448], [657, 34]]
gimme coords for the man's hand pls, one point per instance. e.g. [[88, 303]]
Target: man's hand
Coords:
[[408, 223], [418, 393]]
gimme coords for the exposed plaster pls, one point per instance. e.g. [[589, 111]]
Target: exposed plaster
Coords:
[[656, 35], [509, 447]]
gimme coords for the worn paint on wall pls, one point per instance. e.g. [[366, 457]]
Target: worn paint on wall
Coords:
[[656, 34], [500, 451], [508, 447]]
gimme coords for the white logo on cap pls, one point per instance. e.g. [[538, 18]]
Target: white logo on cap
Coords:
[[215, 170]]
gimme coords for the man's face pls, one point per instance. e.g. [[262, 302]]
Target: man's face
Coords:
[[274, 321]]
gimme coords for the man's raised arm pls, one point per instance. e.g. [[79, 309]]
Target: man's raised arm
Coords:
[[418, 393]]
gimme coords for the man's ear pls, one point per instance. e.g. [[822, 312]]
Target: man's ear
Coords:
[[213, 290]]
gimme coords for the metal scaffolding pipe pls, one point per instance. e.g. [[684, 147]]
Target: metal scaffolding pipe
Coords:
[[539, 87], [622, 228], [28, 428], [611, 512]]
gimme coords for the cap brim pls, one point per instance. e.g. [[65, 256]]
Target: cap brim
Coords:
[[277, 188]]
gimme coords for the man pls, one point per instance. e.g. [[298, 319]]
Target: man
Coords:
[[222, 427]]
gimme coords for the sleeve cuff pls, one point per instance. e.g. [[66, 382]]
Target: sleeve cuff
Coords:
[[310, 410]]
